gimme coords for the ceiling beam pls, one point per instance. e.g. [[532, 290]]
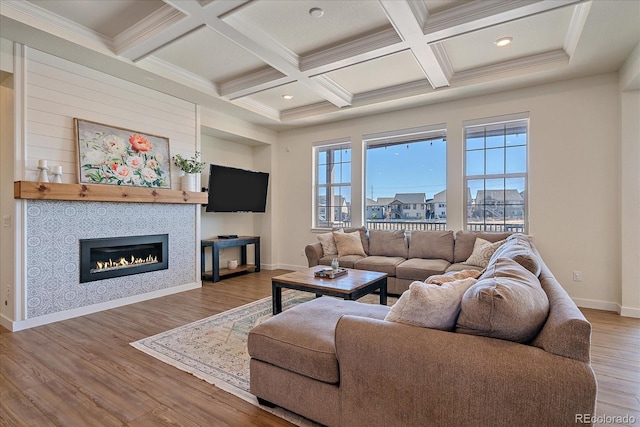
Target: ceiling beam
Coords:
[[408, 19], [482, 14], [171, 22], [279, 57]]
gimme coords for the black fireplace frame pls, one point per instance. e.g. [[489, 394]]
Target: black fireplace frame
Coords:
[[86, 245]]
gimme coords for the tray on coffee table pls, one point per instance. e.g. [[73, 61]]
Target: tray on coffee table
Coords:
[[329, 273]]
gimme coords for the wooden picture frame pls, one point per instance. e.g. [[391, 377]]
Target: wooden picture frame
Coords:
[[117, 156]]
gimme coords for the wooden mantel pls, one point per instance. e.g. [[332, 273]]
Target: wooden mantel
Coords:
[[103, 193]]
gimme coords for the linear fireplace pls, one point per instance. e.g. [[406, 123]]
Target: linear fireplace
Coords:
[[106, 258]]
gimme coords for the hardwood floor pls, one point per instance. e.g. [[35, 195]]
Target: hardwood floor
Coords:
[[83, 372]]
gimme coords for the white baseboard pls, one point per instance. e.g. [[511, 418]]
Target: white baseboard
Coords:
[[291, 267], [19, 325], [629, 312], [608, 306], [598, 305], [5, 322]]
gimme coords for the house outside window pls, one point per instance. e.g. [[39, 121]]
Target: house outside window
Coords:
[[496, 173], [404, 169], [332, 184]]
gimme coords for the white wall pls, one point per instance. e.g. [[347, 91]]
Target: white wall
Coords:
[[58, 91], [48, 93], [630, 209], [7, 230], [256, 156], [574, 157], [226, 153], [630, 183]]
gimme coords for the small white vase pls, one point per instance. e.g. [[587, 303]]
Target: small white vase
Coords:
[[188, 182]]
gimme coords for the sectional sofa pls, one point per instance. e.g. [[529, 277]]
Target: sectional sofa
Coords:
[[405, 256], [516, 353]]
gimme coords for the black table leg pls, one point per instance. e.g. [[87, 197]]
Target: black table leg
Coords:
[[276, 298], [383, 293]]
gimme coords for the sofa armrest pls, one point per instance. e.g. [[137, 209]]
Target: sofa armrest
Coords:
[[313, 252], [418, 376]]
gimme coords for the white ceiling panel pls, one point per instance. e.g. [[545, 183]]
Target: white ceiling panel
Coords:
[[532, 35], [108, 18], [273, 97], [209, 55], [390, 70], [290, 24]]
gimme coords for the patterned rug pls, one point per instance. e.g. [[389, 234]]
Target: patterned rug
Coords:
[[215, 349]]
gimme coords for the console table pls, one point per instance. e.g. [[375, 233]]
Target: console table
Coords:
[[216, 244]]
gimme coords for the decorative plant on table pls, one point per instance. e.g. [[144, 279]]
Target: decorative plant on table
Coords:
[[190, 167]]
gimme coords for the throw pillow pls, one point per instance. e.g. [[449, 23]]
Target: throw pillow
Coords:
[[348, 243], [452, 276], [431, 244], [482, 251], [328, 244], [388, 243], [509, 304], [430, 306]]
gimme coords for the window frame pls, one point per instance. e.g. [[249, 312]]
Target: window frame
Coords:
[[399, 137], [334, 144], [487, 122]]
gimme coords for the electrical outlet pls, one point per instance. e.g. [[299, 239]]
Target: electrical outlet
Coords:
[[577, 276]]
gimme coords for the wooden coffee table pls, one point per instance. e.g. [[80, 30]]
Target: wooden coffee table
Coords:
[[355, 284]]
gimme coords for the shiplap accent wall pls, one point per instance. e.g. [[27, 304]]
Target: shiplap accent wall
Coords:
[[56, 92]]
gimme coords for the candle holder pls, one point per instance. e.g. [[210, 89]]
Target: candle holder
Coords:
[[56, 171], [43, 177]]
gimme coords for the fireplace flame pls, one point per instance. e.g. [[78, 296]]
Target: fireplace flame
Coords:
[[123, 262]]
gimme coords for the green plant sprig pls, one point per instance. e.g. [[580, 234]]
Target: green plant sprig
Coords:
[[192, 165]]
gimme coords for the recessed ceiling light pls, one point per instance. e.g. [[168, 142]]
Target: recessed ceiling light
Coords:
[[503, 41], [316, 12], [287, 96]]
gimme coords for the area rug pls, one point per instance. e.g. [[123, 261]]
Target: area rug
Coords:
[[215, 349]]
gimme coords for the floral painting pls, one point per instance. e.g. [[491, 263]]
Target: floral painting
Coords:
[[112, 155]]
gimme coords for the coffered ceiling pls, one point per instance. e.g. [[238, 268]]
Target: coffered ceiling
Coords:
[[332, 59]]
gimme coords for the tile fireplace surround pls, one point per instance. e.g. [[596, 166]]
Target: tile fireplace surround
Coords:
[[53, 231]]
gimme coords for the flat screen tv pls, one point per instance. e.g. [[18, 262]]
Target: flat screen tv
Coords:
[[236, 190]]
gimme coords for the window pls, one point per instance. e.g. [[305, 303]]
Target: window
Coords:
[[404, 171], [496, 174], [332, 198]]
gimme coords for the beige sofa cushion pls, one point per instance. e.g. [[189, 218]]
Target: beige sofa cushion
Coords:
[[302, 338], [349, 243], [382, 264], [420, 269], [429, 305], [482, 252], [387, 243], [432, 245], [466, 239], [347, 261], [507, 303]]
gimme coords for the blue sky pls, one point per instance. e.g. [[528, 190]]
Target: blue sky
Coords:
[[407, 168]]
